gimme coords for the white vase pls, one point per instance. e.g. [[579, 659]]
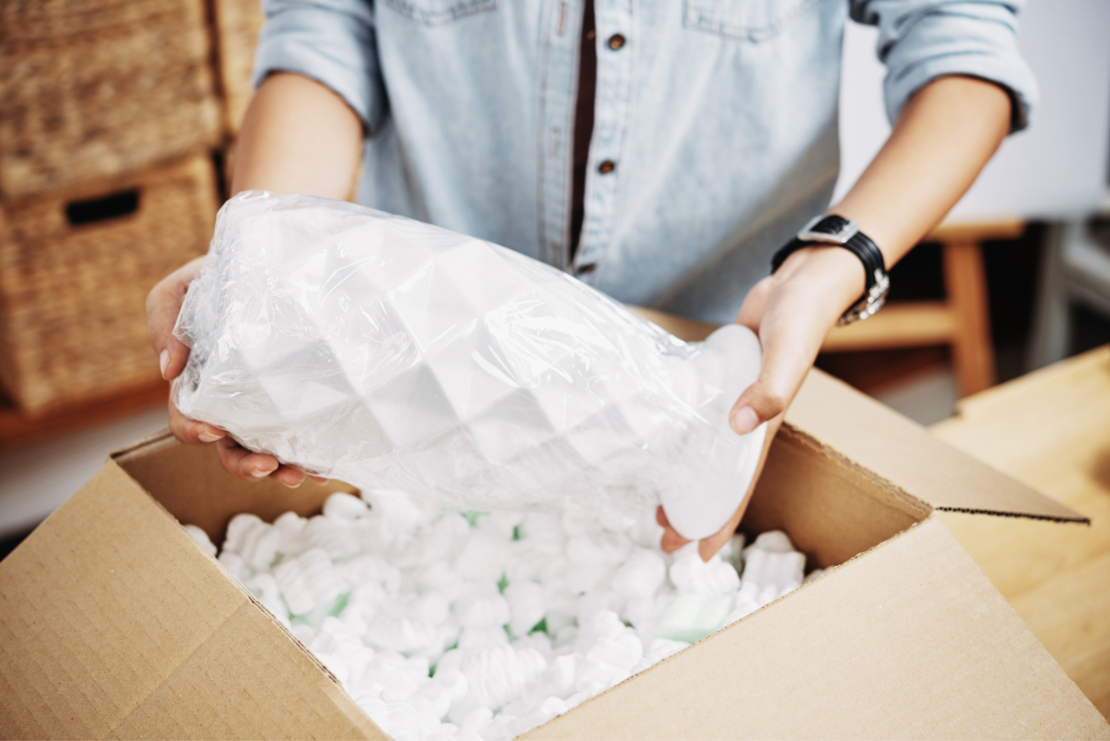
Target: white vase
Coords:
[[392, 354]]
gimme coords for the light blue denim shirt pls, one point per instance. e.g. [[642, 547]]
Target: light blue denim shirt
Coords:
[[720, 116]]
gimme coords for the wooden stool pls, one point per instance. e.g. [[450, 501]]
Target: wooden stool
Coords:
[[961, 320]]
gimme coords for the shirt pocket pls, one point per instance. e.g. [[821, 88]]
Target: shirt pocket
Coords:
[[438, 12], [750, 20]]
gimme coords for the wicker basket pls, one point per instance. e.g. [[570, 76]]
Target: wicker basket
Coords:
[[238, 23], [100, 88], [74, 275]]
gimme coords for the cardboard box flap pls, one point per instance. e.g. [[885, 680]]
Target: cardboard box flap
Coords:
[[911, 641], [173, 474], [113, 622], [871, 435]]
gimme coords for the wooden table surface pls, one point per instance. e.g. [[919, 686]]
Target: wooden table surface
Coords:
[[1051, 430]]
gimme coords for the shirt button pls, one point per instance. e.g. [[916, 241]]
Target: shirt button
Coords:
[[607, 167], [616, 41]]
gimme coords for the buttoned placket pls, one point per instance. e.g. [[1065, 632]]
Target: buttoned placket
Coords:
[[562, 29], [615, 59]]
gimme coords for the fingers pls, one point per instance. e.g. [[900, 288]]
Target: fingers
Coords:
[[671, 540], [789, 348], [242, 463], [291, 476], [708, 547], [767, 398], [163, 304], [190, 430], [248, 466], [236, 460], [792, 312], [792, 328]]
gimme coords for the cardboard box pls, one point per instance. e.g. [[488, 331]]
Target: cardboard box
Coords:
[[113, 623]]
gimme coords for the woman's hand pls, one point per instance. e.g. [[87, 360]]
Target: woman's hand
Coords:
[[297, 137], [945, 134], [791, 312], [162, 307]]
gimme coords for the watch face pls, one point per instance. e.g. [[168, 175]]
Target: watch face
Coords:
[[831, 229]]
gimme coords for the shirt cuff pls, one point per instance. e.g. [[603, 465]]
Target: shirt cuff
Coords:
[[963, 39], [331, 42]]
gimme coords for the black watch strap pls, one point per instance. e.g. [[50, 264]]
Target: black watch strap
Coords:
[[874, 267], [837, 231]]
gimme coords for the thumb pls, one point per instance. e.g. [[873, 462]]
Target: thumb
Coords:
[[163, 304], [761, 402], [790, 345]]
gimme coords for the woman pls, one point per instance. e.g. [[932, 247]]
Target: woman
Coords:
[[661, 152]]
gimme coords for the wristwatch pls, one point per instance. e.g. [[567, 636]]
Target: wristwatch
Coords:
[[837, 230]]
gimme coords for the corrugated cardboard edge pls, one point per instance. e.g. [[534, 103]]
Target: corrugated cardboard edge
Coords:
[[114, 627], [915, 502], [164, 439], [155, 441], [161, 440], [829, 572], [804, 437], [856, 428], [1033, 697]]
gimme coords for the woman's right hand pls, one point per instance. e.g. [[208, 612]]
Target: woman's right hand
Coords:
[[298, 136], [162, 307]]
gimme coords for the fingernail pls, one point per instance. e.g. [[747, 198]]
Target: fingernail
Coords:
[[744, 421], [259, 473], [163, 361], [208, 436], [292, 486]]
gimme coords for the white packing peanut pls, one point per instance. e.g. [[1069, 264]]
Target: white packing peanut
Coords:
[[308, 581], [345, 507], [715, 577], [526, 606], [641, 574], [254, 540], [201, 539], [486, 608], [428, 620]]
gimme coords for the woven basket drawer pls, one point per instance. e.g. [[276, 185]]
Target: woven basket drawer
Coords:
[[238, 23], [98, 89], [74, 275]]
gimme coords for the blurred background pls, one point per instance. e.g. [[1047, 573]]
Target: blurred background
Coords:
[[117, 127]]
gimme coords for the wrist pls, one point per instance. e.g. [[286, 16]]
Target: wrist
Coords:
[[869, 225], [834, 230], [827, 272]]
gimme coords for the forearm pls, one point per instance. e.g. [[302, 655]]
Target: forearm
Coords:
[[945, 135], [297, 137], [943, 138]]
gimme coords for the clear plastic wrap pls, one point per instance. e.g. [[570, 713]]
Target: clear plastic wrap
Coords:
[[393, 354]]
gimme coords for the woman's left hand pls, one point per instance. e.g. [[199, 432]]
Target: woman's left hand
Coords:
[[791, 312]]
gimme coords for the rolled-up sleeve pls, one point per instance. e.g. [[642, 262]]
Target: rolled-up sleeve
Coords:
[[331, 41], [921, 40]]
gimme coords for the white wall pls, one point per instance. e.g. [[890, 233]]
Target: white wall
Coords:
[[1058, 167]]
